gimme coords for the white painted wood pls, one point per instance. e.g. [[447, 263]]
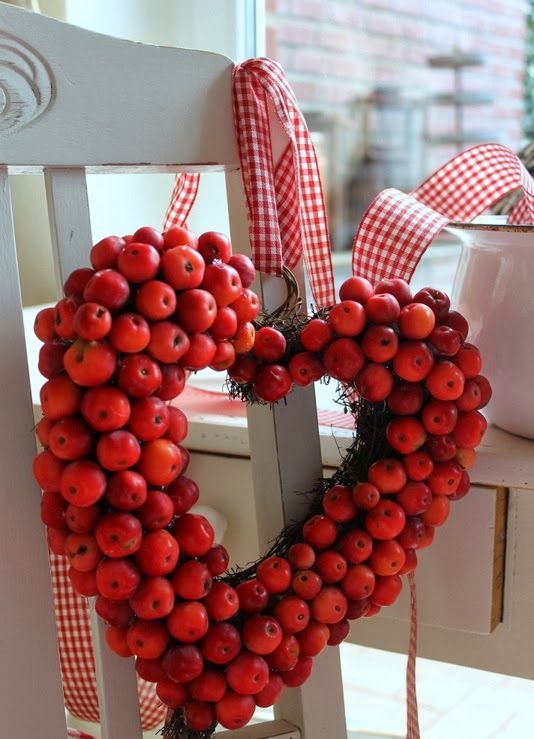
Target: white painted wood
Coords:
[[70, 227], [226, 484], [70, 224], [77, 101], [288, 433], [266, 730], [82, 98], [286, 458], [502, 459], [454, 577], [117, 688], [318, 708], [28, 649]]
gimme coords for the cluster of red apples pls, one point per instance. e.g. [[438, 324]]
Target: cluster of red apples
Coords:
[[117, 503]]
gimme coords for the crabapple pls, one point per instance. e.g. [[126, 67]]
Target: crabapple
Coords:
[[397, 287], [386, 520], [330, 605], [356, 288], [365, 495], [347, 318]]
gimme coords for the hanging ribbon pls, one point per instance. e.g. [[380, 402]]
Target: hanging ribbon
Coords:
[[397, 228], [412, 711], [184, 194], [286, 210]]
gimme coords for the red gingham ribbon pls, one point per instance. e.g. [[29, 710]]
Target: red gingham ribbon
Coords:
[[412, 712], [287, 216], [184, 194], [397, 228]]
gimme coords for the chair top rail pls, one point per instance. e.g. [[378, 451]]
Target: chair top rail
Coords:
[[71, 97]]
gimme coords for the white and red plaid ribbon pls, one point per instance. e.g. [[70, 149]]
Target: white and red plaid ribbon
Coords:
[[184, 194], [397, 228], [287, 216], [412, 711]]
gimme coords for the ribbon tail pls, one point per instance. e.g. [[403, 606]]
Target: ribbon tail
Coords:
[[183, 198], [412, 711], [474, 180]]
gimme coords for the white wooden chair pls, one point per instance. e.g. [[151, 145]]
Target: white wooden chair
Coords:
[[73, 102]]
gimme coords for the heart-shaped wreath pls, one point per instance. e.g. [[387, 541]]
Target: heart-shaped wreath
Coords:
[[115, 500]]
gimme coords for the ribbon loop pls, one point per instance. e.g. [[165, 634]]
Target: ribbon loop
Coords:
[[286, 210], [298, 203], [397, 228]]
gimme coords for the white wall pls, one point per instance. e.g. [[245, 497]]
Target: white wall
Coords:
[[121, 203]]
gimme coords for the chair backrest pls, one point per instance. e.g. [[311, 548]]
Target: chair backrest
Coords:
[[74, 98], [72, 102]]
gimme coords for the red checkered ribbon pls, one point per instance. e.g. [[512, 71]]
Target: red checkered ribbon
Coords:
[[184, 194], [287, 216], [397, 228], [412, 711]]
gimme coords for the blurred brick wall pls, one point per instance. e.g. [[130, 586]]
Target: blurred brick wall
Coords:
[[336, 50]]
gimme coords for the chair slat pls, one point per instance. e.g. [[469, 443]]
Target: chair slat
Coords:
[[117, 688], [29, 640], [70, 227], [68, 214], [264, 730], [286, 458]]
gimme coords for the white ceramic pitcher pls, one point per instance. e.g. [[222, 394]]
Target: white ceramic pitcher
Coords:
[[494, 289]]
